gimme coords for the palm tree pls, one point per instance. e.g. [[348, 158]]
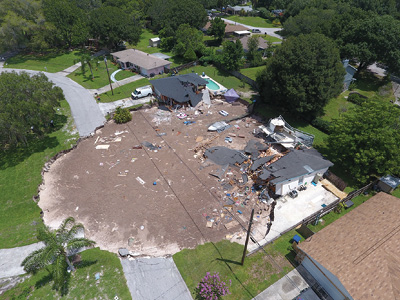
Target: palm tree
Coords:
[[87, 60], [58, 243]]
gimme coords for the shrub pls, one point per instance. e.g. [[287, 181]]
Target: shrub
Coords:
[[122, 115], [212, 287], [321, 124], [356, 98]]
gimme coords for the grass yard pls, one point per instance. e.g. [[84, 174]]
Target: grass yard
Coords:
[[143, 44], [100, 75], [224, 257], [269, 38], [252, 72], [82, 284], [221, 77], [123, 91], [252, 21], [20, 176], [54, 61], [332, 216], [124, 74]]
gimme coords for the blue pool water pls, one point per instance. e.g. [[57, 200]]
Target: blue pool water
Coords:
[[212, 85]]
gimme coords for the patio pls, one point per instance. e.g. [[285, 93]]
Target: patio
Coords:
[[291, 211]]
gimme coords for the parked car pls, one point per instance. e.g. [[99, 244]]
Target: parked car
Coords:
[[224, 113], [293, 193], [256, 30], [141, 92]]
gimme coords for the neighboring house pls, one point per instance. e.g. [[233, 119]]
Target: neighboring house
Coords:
[[298, 167], [388, 183], [235, 10], [348, 77], [154, 42], [262, 44], [141, 62], [229, 28], [278, 12], [182, 90], [358, 256]]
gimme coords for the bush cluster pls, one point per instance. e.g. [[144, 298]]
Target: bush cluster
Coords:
[[122, 115], [321, 124], [356, 98]]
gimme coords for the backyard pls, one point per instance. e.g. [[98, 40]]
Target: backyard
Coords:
[[20, 176], [252, 21]]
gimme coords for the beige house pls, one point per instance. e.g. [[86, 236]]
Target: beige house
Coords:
[[142, 62], [358, 256]]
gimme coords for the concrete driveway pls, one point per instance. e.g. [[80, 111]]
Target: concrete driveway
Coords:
[[11, 259], [84, 109], [154, 278], [269, 31], [109, 107]]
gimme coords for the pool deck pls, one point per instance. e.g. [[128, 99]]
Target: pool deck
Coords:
[[221, 89]]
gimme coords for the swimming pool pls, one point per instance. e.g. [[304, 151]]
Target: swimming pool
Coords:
[[212, 85]]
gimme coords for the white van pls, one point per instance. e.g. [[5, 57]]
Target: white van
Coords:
[[141, 92]]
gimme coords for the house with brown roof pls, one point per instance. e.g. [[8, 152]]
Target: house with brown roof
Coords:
[[142, 62], [262, 44], [229, 28], [358, 256]]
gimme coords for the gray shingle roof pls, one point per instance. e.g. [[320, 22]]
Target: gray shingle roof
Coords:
[[179, 87], [295, 164]]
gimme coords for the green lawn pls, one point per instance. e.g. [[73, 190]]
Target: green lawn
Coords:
[[82, 284], [252, 21], [224, 257], [123, 91], [54, 61], [143, 44], [252, 72], [269, 38], [20, 176], [100, 75], [124, 74], [332, 216], [221, 77]]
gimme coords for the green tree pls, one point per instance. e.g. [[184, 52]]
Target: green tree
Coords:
[[217, 29], [304, 73], [173, 13], [87, 60], [69, 20], [253, 55], [374, 39], [112, 25], [58, 244], [26, 106], [365, 141], [188, 38], [232, 55]]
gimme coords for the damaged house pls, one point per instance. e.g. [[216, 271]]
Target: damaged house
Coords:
[[181, 90], [298, 167]]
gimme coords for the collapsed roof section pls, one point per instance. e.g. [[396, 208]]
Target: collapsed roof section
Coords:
[[223, 156]]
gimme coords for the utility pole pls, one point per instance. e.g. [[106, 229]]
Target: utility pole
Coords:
[[248, 235], [108, 73]]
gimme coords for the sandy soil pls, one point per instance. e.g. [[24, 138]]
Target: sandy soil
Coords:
[[150, 202]]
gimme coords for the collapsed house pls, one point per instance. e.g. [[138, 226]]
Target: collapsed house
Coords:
[[181, 90]]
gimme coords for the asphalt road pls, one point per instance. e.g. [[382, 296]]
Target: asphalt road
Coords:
[[155, 278], [84, 109], [269, 31]]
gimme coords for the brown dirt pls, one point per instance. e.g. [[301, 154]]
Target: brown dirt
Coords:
[[101, 189]]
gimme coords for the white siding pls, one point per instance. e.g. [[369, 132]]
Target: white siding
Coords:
[[326, 279]]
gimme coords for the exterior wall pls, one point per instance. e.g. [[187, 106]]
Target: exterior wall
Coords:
[[326, 279], [285, 187], [156, 71], [384, 187]]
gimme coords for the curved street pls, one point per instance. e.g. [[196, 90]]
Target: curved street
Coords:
[[269, 31], [84, 109]]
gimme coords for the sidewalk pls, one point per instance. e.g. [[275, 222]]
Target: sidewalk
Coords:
[[109, 107], [115, 85], [69, 70]]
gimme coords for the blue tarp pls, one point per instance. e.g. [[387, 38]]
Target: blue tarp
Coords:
[[231, 95]]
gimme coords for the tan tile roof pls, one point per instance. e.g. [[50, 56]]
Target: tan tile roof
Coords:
[[362, 249], [262, 44], [230, 28], [140, 58]]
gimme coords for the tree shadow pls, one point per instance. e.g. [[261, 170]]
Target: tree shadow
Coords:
[[16, 154], [229, 261], [41, 57]]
